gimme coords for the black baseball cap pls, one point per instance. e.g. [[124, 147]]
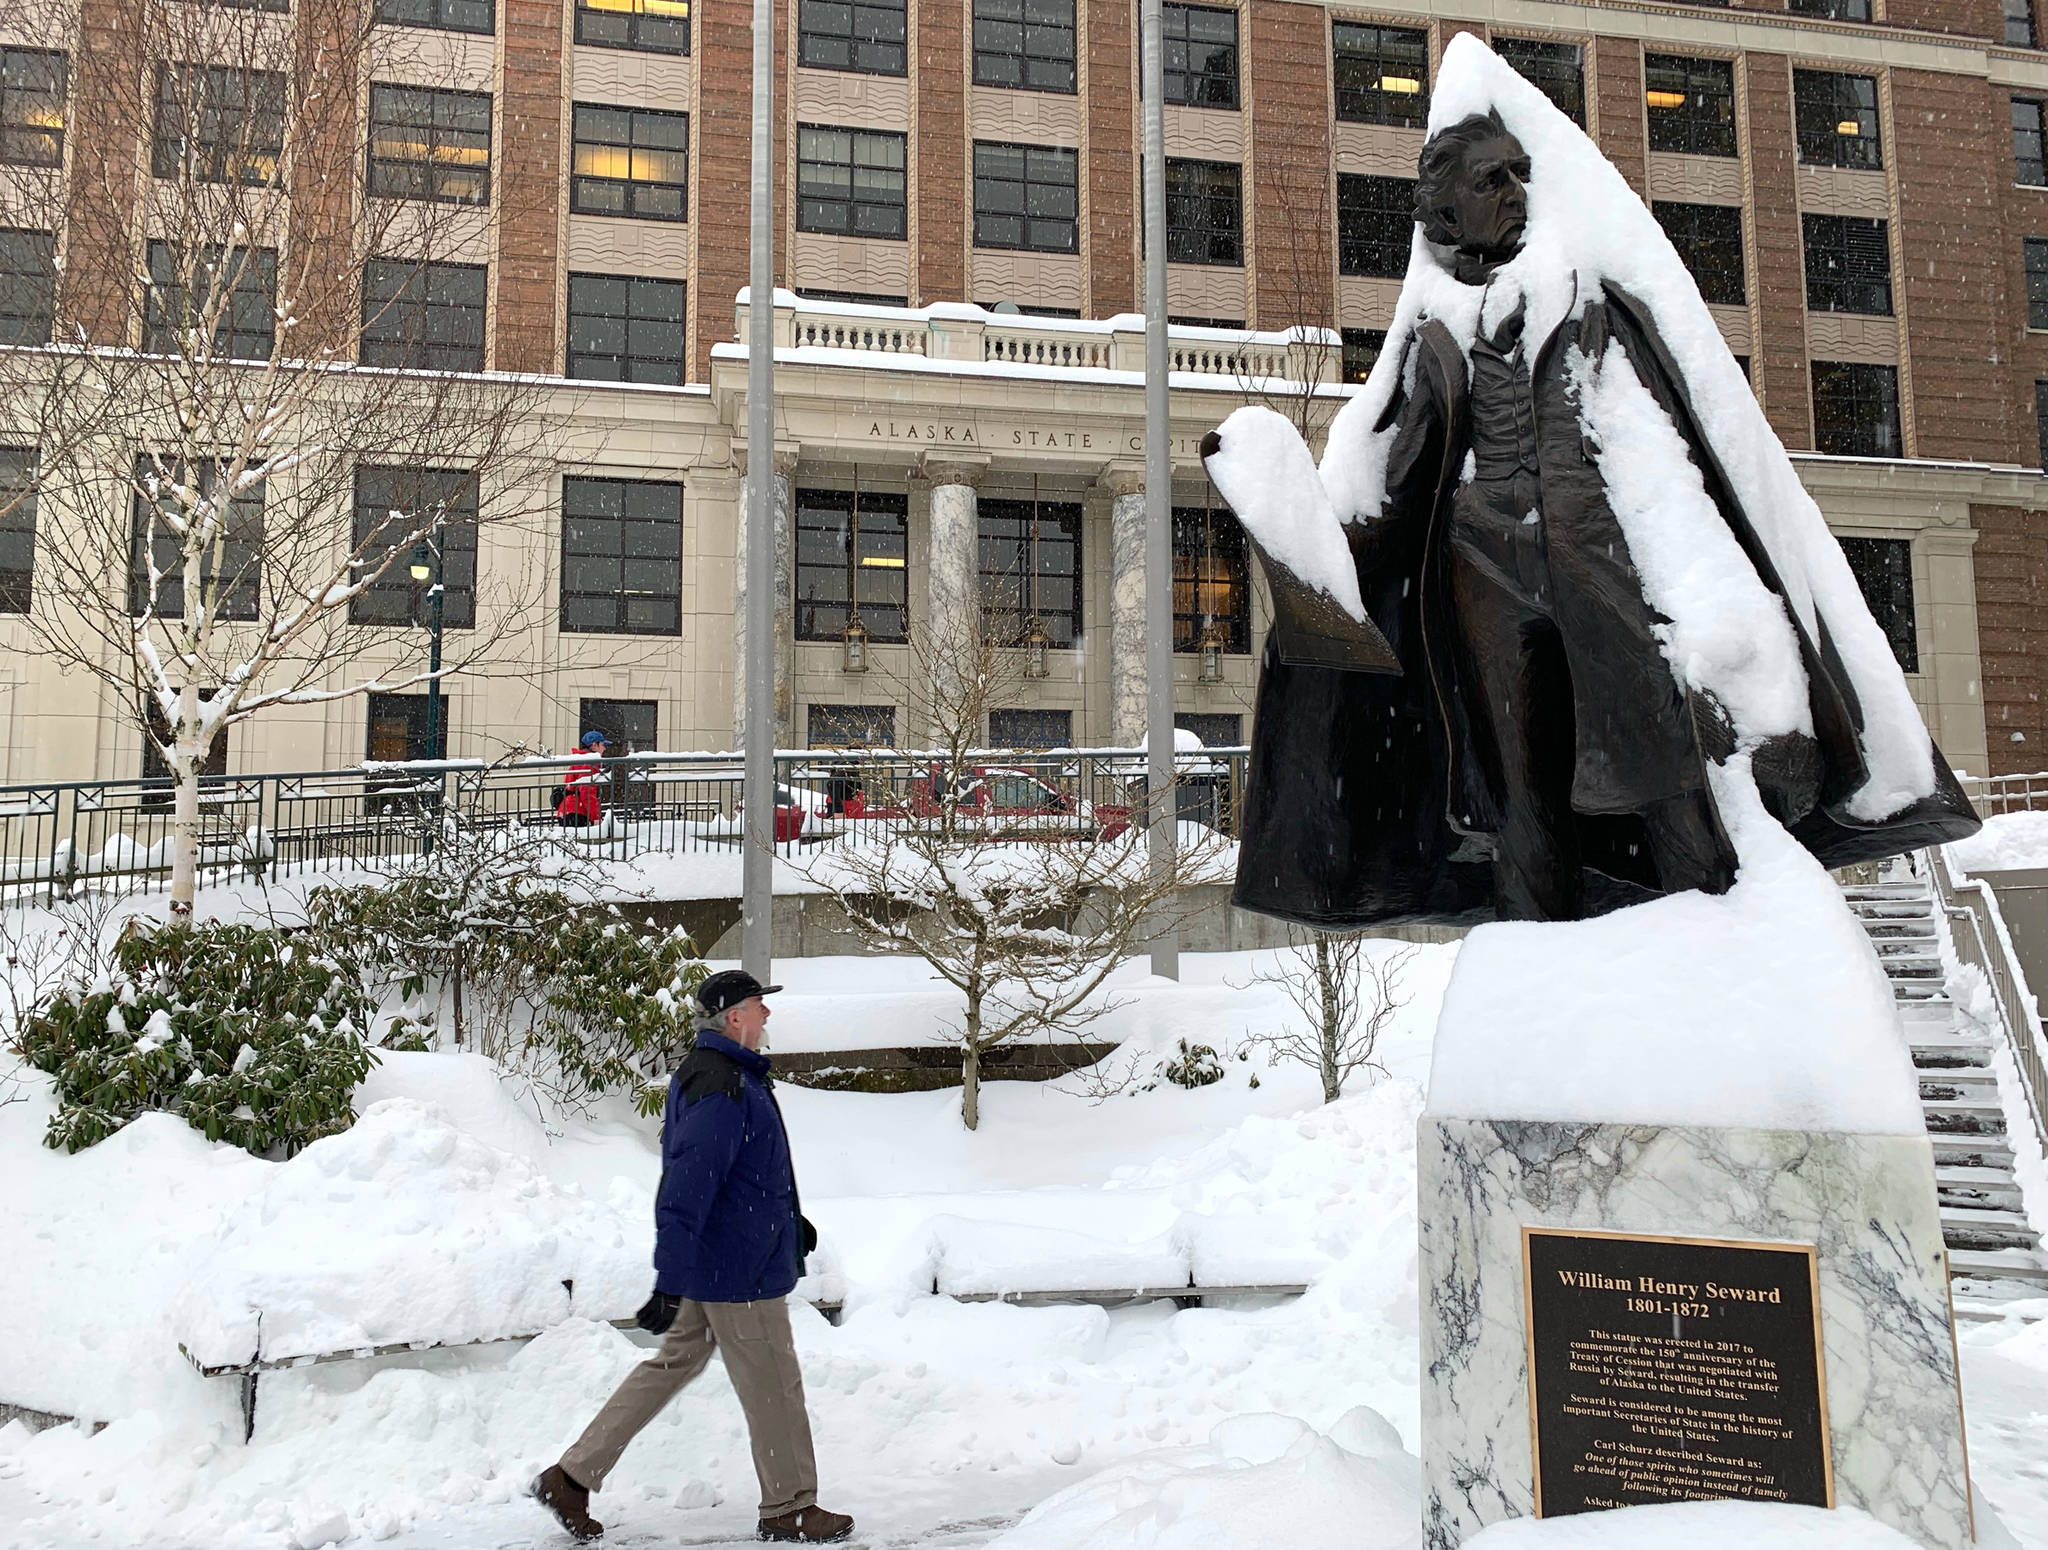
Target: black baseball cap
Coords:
[[728, 988]]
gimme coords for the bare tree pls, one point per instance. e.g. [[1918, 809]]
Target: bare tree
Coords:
[[1028, 927], [1347, 995], [1295, 297], [224, 483]]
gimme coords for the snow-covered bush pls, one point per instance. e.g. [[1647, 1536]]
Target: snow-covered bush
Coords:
[[249, 1036], [1194, 1066], [488, 943]]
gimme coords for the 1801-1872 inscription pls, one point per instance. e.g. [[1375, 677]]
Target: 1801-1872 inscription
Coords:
[[1673, 1369]]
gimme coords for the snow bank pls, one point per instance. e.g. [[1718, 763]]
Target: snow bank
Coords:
[[2006, 842], [997, 1256], [406, 1228], [1260, 1480], [1764, 1008], [1697, 1526]]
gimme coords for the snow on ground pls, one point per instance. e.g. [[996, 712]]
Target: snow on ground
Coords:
[[938, 1423]]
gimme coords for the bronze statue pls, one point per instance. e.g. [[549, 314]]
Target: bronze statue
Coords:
[[1535, 755]]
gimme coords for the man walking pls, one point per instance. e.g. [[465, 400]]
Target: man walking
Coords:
[[728, 1248]]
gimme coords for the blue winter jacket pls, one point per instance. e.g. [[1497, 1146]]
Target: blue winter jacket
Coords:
[[725, 1216]]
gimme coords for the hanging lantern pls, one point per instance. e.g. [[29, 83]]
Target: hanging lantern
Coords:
[[1036, 643], [855, 638], [1212, 653]]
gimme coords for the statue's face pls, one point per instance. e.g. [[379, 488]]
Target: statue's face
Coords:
[[1491, 196]]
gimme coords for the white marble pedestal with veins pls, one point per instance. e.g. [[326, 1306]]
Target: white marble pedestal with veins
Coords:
[[1866, 1202]]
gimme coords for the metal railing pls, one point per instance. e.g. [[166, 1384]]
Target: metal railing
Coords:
[[57, 839], [1977, 928], [1995, 794]]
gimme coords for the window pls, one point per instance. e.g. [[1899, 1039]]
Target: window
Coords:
[[851, 726], [1031, 729], [857, 298], [1552, 68], [1025, 197], [1836, 119], [2036, 249], [622, 557], [2026, 143], [864, 35], [1030, 569], [630, 724], [28, 286], [397, 728], [626, 328], [426, 316], [1195, 320], [1856, 409], [2041, 420], [1709, 240], [157, 731], [1216, 729], [448, 15], [1199, 45], [1375, 224], [426, 143], [17, 528], [1848, 264], [393, 508], [849, 181], [1883, 568], [631, 161], [230, 573], [1026, 44], [32, 107], [1382, 74], [217, 124], [851, 553], [1212, 579], [243, 299], [1691, 104], [653, 26], [1204, 212], [1362, 348], [1832, 10], [2019, 23]]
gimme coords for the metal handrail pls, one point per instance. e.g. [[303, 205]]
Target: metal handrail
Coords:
[[1990, 951], [58, 838]]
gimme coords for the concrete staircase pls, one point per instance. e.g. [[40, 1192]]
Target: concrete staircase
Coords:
[[1994, 1256]]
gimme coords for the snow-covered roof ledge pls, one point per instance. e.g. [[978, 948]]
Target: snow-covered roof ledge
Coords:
[[961, 334]]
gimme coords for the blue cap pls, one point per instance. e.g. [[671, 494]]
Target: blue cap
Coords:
[[593, 737]]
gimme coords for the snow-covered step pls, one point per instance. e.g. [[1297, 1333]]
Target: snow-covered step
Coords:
[[1967, 1151], [1964, 1118], [1980, 1188], [1986, 1227], [1960, 1084], [1933, 1052], [1996, 1265]]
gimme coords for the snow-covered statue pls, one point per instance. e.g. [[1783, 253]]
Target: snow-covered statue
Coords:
[[1554, 580]]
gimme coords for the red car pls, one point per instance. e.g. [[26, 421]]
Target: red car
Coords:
[[1010, 803]]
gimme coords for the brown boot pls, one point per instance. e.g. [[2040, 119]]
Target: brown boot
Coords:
[[568, 1501], [807, 1526]]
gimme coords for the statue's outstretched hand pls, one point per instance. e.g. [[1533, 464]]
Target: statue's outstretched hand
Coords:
[[1264, 470]]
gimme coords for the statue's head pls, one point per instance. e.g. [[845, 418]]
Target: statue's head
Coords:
[[1471, 188]]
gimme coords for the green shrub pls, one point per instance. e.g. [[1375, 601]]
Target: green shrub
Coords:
[[249, 1036], [1195, 1066]]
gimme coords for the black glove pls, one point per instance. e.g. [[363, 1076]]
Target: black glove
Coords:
[[658, 1312]]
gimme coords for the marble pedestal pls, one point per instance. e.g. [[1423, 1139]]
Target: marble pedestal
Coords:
[[1867, 1204]]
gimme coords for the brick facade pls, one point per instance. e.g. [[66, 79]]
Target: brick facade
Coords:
[[1778, 275], [2011, 561], [1112, 167], [1618, 96], [942, 189], [110, 92], [721, 203], [1288, 182], [529, 186]]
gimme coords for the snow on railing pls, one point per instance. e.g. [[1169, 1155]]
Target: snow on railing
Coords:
[[1976, 929], [1995, 794], [951, 331]]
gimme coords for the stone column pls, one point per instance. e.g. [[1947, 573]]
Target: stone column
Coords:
[[1125, 486], [953, 581], [785, 617]]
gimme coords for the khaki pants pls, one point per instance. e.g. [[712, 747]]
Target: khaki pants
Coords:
[[760, 1358]]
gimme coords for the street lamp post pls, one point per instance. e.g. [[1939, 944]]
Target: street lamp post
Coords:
[[426, 567]]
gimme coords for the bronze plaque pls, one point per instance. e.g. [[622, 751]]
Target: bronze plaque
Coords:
[[1673, 1369]]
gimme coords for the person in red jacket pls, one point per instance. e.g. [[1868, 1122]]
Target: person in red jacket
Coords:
[[580, 805]]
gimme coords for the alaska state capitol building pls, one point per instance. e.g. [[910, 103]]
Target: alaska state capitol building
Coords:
[[1860, 187]]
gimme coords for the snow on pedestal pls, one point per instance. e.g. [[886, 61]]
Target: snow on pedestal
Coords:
[[1729, 1069]]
